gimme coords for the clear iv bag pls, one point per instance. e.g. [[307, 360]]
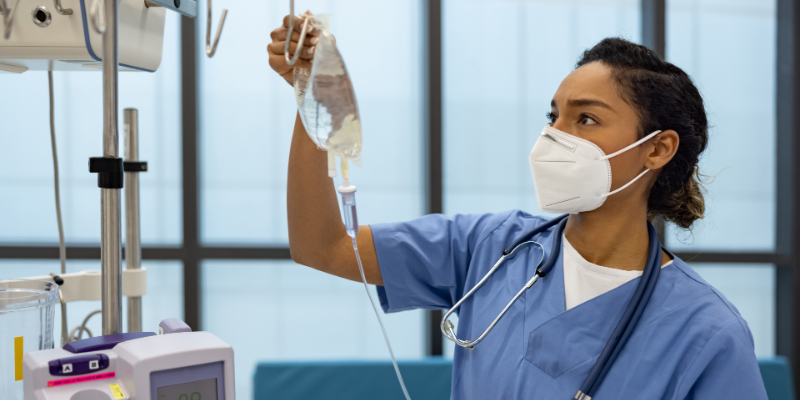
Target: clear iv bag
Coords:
[[326, 99]]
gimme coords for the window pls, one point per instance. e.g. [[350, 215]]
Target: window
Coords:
[[728, 48], [498, 83], [278, 310], [26, 167], [247, 114]]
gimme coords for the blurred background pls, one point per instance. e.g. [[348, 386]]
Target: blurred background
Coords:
[[453, 94]]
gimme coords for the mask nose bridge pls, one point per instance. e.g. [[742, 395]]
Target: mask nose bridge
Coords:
[[561, 142]]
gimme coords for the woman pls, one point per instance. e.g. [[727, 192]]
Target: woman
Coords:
[[621, 147]]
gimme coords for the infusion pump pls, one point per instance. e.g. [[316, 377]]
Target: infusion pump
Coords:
[[183, 365], [65, 35]]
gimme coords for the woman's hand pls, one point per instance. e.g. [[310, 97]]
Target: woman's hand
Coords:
[[275, 49]]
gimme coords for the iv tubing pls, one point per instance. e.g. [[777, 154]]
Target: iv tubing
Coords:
[[380, 321], [348, 193], [62, 248], [345, 171], [331, 165]]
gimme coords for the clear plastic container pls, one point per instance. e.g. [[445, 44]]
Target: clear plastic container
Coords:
[[27, 309], [326, 99]]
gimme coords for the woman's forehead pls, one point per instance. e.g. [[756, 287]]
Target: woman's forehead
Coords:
[[593, 81]]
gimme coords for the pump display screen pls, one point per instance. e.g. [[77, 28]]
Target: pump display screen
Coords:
[[205, 389]]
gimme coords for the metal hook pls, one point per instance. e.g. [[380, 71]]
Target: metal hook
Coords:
[[94, 11], [8, 17], [293, 59], [61, 10], [211, 50]]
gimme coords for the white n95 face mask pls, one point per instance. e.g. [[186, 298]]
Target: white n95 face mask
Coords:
[[571, 174]]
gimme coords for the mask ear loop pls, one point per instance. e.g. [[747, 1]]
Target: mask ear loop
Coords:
[[627, 184], [644, 139]]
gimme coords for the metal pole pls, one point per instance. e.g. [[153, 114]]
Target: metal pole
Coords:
[[787, 238], [654, 26], [434, 202], [192, 300], [654, 37], [133, 246], [111, 296]]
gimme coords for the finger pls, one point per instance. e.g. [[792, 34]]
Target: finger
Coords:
[[275, 59], [277, 33], [281, 36], [298, 25], [278, 48]]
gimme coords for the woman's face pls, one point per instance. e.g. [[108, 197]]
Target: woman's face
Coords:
[[587, 104]]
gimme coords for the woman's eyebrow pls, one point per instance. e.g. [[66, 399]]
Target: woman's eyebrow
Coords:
[[588, 103]]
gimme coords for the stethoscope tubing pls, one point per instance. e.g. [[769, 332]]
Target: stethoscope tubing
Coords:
[[630, 318], [447, 327]]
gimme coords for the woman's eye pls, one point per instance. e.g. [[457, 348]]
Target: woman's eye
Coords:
[[552, 117], [587, 120]]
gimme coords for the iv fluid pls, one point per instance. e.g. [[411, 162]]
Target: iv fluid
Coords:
[[326, 99]]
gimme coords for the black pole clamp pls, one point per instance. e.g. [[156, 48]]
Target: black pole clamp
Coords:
[[135, 166], [109, 172]]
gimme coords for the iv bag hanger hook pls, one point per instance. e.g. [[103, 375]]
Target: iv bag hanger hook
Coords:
[[61, 10], [293, 59], [94, 16], [211, 50], [8, 17]]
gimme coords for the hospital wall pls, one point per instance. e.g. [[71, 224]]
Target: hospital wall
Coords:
[[502, 61]]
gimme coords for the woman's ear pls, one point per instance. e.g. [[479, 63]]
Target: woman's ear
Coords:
[[664, 146]]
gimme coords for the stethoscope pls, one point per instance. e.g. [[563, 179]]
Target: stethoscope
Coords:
[[626, 324]]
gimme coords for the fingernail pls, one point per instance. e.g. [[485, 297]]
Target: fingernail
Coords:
[[311, 50], [314, 40]]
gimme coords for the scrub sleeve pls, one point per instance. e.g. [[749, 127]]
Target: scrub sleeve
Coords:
[[424, 262]]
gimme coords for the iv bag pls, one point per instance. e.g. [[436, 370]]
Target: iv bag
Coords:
[[326, 100]]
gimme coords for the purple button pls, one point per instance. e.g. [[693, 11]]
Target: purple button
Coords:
[[107, 342], [79, 365]]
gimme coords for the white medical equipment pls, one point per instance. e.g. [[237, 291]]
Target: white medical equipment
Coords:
[[327, 105], [67, 35], [44, 39], [175, 365]]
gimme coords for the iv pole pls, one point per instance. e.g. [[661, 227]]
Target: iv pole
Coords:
[[110, 169], [111, 297]]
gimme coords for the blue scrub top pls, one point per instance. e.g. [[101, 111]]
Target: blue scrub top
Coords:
[[691, 342]]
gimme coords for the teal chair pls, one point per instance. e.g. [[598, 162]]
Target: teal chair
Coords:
[[427, 379], [777, 377]]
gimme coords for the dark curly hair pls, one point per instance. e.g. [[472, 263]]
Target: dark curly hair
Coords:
[[665, 98]]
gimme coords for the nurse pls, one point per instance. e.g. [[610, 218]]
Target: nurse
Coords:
[[620, 147]]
